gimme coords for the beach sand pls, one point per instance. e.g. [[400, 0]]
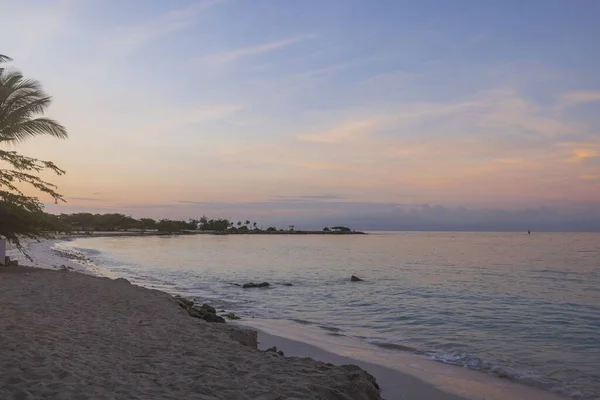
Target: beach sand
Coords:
[[66, 335]]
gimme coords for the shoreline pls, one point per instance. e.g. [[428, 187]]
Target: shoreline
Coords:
[[80, 234], [480, 385], [401, 373]]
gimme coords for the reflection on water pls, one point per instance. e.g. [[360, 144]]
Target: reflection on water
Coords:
[[512, 304]]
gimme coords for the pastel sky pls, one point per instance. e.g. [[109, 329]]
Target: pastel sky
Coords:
[[378, 113]]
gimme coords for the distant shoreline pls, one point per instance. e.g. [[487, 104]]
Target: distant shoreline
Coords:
[[80, 234]]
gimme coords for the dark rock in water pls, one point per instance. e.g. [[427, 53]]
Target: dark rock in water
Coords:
[[203, 313], [210, 317], [255, 285], [235, 284], [286, 284], [209, 308], [204, 309], [355, 279]]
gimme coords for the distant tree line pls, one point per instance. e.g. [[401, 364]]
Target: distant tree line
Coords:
[[88, 222]]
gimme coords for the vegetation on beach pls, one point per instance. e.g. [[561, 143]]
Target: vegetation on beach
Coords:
[[87, 222], [22, 104]]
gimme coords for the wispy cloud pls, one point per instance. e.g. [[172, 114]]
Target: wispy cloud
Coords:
[[126, 38], [581, 97], [177, 118], [345, 131], [581, 155], [234, 55], [85, 199]]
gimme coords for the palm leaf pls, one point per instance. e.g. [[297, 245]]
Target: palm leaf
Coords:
[[21, 101], [4, 58]]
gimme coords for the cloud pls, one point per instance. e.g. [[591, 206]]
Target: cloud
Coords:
[[234, 55], [582, 97], [126, 38], [345, 131], [314, 197], [581, 155], [85, 199], [44, 22]]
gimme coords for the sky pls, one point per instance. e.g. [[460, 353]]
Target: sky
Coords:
[[376, 114]]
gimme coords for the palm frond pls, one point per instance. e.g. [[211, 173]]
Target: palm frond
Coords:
[[31, 128], [21, 101], [4, 58]]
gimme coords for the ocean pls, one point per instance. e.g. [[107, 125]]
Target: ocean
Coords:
[[516, 306]]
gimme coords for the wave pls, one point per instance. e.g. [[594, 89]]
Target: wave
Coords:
[[302, 321], [529, 378], [330, 328]]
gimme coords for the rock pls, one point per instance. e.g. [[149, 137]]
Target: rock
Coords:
[[209, 317], [247, 337], [232, 316], [286, 284], [209, 308], [183, 302], [255, 285], [355, 279], [195, 313], [122, 280], [274, 350]]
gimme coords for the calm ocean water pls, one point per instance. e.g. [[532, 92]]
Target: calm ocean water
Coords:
[[524, 307]]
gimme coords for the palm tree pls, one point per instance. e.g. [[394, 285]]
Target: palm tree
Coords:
[[21, 101], [254, 225]]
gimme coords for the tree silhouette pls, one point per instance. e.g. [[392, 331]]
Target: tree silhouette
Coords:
[[22, 102]]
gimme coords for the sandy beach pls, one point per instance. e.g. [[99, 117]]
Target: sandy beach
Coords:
[[66, 335]]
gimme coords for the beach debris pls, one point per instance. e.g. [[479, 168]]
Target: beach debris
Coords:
[[255, 285], [231, 316], [355, 278]]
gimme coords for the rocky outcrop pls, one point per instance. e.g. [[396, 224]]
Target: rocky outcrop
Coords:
[[355, 278], [183, 302], [204, 312], [256, 285]]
